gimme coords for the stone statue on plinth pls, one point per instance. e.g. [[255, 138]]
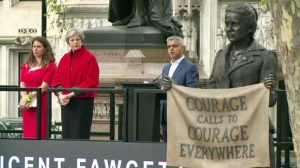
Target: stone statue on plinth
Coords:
[[135, 13]]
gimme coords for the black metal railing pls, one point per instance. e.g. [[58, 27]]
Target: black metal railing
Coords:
[[147, 114], [111, 91], [17, 88], [283, 141]]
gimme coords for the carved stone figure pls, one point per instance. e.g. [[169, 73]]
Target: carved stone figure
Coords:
[[189, 29], [221, 38], [134, 13], [186, 30], [194, 37], [266, 31]]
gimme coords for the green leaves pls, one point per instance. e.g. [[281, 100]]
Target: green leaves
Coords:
[[264, 2], [56, 12]]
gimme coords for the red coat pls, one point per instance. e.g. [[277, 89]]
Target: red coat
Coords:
[[80, 70], [35, 78]]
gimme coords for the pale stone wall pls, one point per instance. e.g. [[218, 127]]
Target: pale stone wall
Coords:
[[19, 20], [22, 15]]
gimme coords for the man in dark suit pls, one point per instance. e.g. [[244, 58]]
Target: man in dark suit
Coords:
[[179, 71]]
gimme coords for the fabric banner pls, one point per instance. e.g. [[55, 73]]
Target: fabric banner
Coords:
[[213, 128]]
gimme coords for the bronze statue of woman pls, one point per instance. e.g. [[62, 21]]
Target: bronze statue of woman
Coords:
[[244, 61]]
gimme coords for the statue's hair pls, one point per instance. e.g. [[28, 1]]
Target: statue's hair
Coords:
[[177, 38], [247, 11], [74, 32]]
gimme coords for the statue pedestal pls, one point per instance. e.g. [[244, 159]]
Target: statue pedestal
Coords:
[[128, 55], [121, 37]]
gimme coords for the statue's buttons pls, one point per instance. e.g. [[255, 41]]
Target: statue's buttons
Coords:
[[244, 59]]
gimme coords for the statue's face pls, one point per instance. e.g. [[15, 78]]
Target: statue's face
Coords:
[[237, 28], [175, 49]]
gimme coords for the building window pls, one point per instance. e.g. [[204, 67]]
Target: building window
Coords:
[[22, 57]]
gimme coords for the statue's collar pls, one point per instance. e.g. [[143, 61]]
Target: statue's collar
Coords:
[[254, 46]]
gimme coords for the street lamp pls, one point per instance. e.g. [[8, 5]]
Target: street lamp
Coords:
[[44, 18]]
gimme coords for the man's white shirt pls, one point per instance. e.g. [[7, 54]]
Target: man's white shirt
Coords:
[[174, 65]]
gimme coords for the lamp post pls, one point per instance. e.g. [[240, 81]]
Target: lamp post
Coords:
[[44, 18]]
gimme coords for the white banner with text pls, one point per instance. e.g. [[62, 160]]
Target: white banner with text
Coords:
[[215, 128]]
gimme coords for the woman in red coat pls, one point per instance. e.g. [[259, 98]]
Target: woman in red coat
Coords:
[[37, 71], [77, 69]]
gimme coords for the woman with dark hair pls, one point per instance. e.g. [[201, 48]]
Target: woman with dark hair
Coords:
[[37, 71], [244, 61], [78, 68]]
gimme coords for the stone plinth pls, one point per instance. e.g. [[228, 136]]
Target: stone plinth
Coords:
[[119, 66], [128, 55], [121, 37]]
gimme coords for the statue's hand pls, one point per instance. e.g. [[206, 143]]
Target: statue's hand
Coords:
[[270, 81], [167, 83]]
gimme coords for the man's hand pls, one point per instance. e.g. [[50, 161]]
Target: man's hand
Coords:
[[270, 81], [167, 83]]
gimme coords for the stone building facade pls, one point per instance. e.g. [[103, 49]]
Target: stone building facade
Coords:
[[203, 27]]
